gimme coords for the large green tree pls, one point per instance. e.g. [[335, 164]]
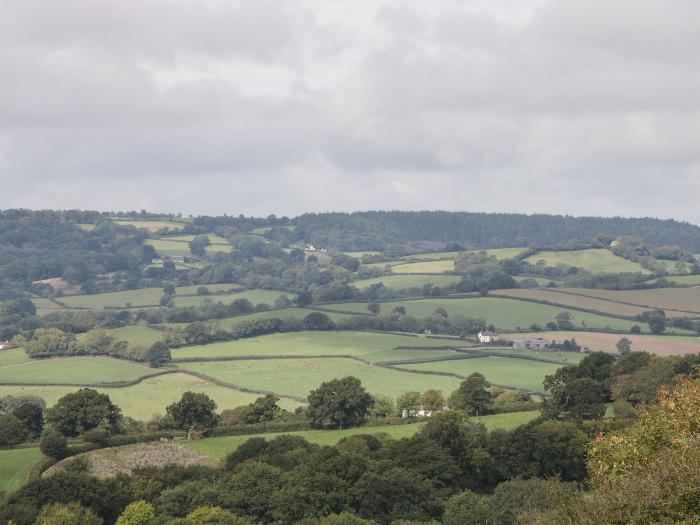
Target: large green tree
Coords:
[[83, 410], [472, 396], [339, 403], [193, 410]]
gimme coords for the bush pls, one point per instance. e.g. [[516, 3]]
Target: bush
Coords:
[[53, 444], [137, 513], [12, 431], [71, 514]]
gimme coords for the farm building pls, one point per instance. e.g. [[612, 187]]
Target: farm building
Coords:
[[539, 343], [487, 337]]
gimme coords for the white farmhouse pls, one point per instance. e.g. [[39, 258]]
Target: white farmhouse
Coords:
[[487, 337]]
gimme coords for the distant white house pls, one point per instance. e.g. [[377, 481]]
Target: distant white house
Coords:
[[487, 337], [420, 412]]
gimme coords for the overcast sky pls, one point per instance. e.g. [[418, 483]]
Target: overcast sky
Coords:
[[587, 107]]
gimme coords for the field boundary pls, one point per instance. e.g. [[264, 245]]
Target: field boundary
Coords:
[[115, 384]]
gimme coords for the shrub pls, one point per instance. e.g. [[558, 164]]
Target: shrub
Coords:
[[53, 444], [71, 514], [12, 431], [137, 513]]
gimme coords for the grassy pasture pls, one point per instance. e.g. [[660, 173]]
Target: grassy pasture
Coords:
[[219, 447], [12, 356], [425, 267], [281, 313], [562, 357], [596, 341], [137, 334], [46, 304], [73, 370], [359, 255], [362, 344], [542, 281], [401, 282], [213, 238], [594, 260], [137, 298], [213, 288], [573, 301], [254, 296], [166, 247], [518, 373], [683, 299], [151, 226], [297, 377], [505, 314], [498, 253], [683, 280], [15, 465], [151, 395]]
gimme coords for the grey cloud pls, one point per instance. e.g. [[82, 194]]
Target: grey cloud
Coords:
[[278, 106]]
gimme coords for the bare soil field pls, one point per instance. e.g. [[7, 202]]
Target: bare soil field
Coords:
[[595, 341], [683, 300]]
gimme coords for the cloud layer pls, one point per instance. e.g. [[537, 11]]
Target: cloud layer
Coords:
[[234, 106]]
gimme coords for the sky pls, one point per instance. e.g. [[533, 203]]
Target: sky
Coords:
[[270, 106]]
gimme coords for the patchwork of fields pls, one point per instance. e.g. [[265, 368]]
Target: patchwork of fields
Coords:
[[404, 281], [685, 300], [425, 267]]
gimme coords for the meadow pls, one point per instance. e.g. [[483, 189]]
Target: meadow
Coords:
[[219, 447], [505, 314], [135, 298], [425, 267], [404, 281], [137, 334], [362, 344], [517, 373], [151, 226], [498, 253], [12, 356], [297, 377], [169, 248], [593, 260], [254, 296], [15, 465], [73, 370], [361, 254], [683, 280], [150, 396]]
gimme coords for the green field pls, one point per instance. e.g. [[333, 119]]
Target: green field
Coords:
[[363, 344], [151, 225], [505, 314], [15, 466], [683, 280], [498, 253], [519, 373], [137, 334], [213, 238], [219, 447], [169, 248], [213, 288], [425, 267], [402, 282], [297, 377], [151, 395], [73, 370], [254, 296], [542, 281], [593, 260], [291, 312], [136, 298], [12, 355], [359, 255]]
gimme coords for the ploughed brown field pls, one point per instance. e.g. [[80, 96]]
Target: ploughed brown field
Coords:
[[660, 345]]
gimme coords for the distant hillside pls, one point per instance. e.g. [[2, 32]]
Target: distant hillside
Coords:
[[368, 230]]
